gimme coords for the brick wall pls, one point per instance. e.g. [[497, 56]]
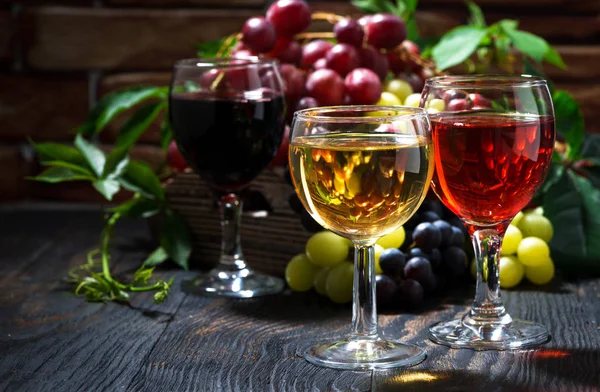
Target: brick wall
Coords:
[[58, 57]]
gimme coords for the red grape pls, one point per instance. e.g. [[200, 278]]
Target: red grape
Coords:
[[287, 50], [320, 64], [413, 79], [289, 17], [326, 86], [364, 20], [306, 103], [458, 104], [426, 73], [411, 47], [209, 77], [385, 31], [242, 54], [480, 101], [342, 58], [174, 158], [363, 86], [313, 51], [258, 35], [395, 62], [449, 95], [374, 60], [294, 81], [349, 31]]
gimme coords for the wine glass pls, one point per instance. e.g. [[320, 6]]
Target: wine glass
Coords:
[[361, 172], [493, 145], [227, 119]]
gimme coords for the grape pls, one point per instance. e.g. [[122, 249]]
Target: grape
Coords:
[[435, 257], [289, 17], [537, 210], [294, 81], [385, 31], [517, 219], [313, 51], [533, 251], [378, 251], [287, 50], [540, 274], [458, 237], [385, 289], [449, 95], [427, 236], [392, 261], [363, 20], [174, 158], [242, 54], [295, 203], [458, 104], [349, 31], [388, 99], [397, 65], [413, 79], [430, 216], [258, 35], [306, 103], [209, 77], [413, 100], [534, 225], [342, 58], [511, 240], [326, 249], [417, 252], [320, 64], [326, 86], [419, 269], [474, 268], [446, 230], [511, 272], [363, 86], [393, 240], [410, 294], [437, 104], [372, 59], [300, 273], [411, 47], [320, 281], [339, 284], [480, 101], [455, 260], [399, 88], [309, 223]]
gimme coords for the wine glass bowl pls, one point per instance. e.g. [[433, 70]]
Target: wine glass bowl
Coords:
[[493, 145], [361, 172]]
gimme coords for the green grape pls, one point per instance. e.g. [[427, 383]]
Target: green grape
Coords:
[[511, 272], [474, 268], [378, 250], [437, 104], [388, 99], [300, 273], [517, 219], [400, 88], [538, 210], [393, 240], [535, 225], [511, 241], [320, 281], [327, 249], [533, 251], [541, 274], [413, 100], [340, 281]]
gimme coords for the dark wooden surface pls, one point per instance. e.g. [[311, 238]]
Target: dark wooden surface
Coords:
[[53, 341]]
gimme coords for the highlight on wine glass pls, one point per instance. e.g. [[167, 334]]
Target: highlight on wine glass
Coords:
[[227, 118], [361, 172], [493, 141]]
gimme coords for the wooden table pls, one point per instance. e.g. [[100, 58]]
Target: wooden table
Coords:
[[51, 340]]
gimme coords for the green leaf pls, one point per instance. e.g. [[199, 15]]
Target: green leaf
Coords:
[[116, 163], [507, 25], [142, 275], [106, 187], [531, 45], [166, 132], [94, 157], [553, 57], [138, 207], [457, 45], [211, 49], [569, 122], [114, 103], [140, 178], [138, 123], [476, 17], [366, 6], [59, 152], [175, 239], [79, 169], [591, 145], [412, 30], [157, 257], [411, 5], [60, 174], [590, 169]]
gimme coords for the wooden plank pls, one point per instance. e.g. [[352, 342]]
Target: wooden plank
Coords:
[[13, 184], [190, 3], [581, 63], [6, 36]]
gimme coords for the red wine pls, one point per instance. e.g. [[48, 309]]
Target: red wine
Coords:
[[489, 166], [228, 138]]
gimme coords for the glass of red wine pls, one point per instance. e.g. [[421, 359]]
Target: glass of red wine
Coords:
[[227, 117], [493, 144]]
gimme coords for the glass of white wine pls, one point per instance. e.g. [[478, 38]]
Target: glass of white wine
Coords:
[[361, 172]]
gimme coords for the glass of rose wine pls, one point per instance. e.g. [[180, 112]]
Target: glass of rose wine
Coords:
[[361, 172], [227, 117], [493, 145]]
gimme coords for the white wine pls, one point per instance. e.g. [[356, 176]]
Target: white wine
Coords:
[[361, 186]]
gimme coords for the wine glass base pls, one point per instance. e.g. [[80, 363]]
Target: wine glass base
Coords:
[[517, 334], [244, 283], [364, 354]]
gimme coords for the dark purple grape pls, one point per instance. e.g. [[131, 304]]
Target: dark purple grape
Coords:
[[430, 216], [306, 103], [385, 290], [392, 262], [416, 252], [432, 205], [295, 203], [419, 269], [458, 237], [455, 260], [446, 230], [426, 236], [309, 223], [449, 95], [409, 295], [349, 31], [435, 257]]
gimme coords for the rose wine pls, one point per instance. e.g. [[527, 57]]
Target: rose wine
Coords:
[[489, 166], [361, 185], [228, 138]]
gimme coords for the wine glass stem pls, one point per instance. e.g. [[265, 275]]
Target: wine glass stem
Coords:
[[364, 309], [231, 259], [487, 306]]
